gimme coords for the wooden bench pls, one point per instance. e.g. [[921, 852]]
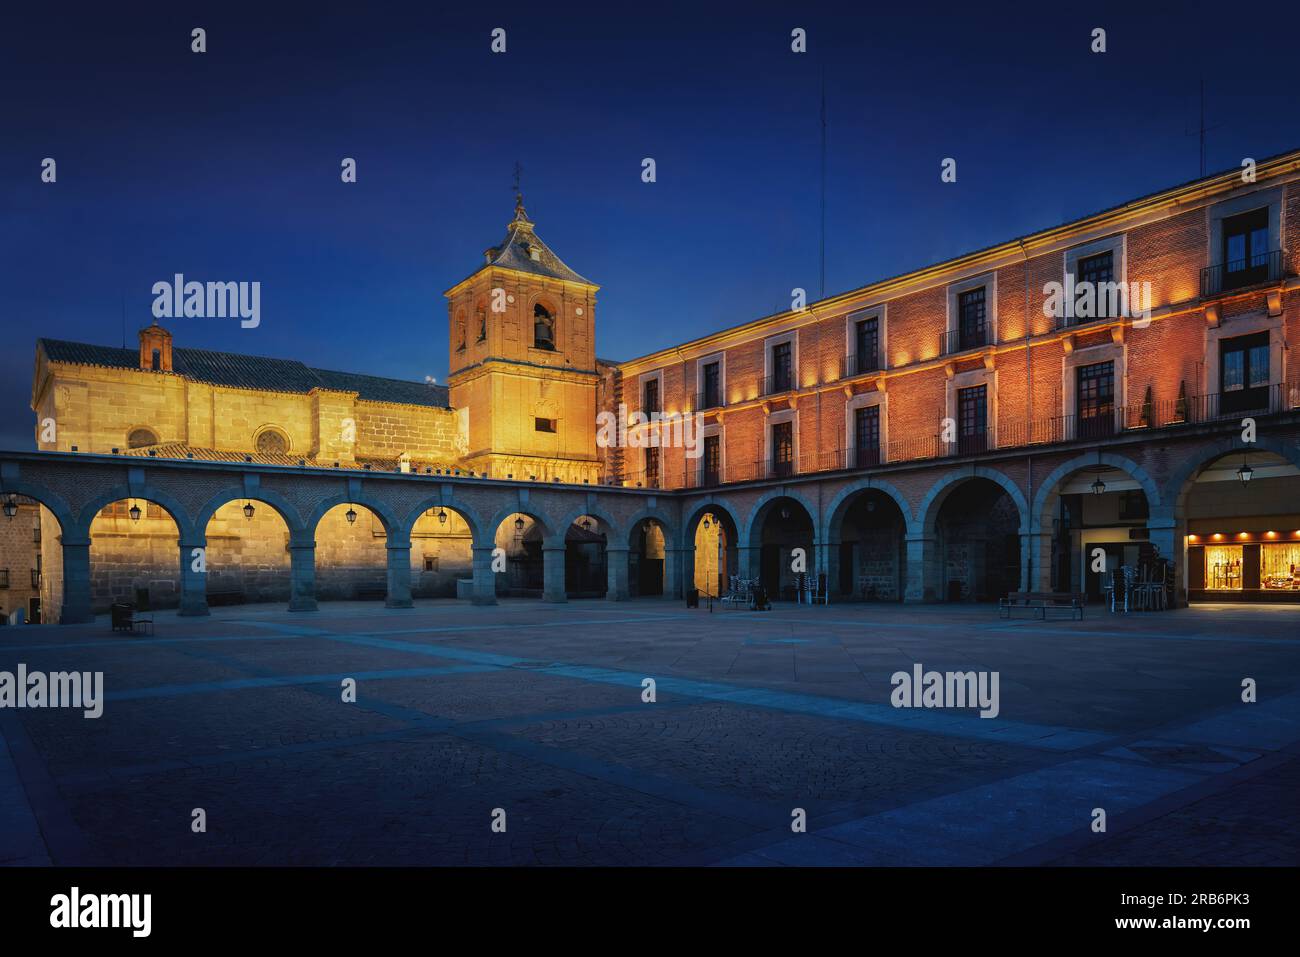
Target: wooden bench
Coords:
[[1038, 603]]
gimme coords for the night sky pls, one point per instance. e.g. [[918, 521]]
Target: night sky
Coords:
[[225, 166]]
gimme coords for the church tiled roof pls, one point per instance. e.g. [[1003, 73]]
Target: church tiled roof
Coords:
[[179, 450], [253, 372], [523, 251]]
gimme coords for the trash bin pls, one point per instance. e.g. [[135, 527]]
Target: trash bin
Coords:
[[692, 598]]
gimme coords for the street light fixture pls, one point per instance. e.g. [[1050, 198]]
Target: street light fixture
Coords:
[[442, 516], [519, 523], [1245, 473], [248, 510], [351, 515], [11, 506], [1098, 486], [135, 512]]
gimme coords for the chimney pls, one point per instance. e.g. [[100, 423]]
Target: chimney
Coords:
[[155, 349]]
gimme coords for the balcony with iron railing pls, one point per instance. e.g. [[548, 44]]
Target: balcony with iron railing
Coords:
[[780, 381], [709, 400], [860, 364], [964, 339], [1259, 268], [701, 476], [1101, 310]]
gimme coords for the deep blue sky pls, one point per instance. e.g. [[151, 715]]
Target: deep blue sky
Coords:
[[225, 166]]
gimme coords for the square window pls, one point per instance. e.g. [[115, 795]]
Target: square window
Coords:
[[544, 425]]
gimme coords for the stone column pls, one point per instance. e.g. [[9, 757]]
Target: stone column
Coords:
[[1036, 563], [484, 590], [76, 582], [924, 565], [399, 575], [194, 584], [1169, 536], [302, 576], [673, 561], [822, 566], [616, 572], [553, 573]]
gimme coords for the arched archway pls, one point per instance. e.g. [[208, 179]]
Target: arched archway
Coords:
[[783, 533], [442, 541], [1092, 515], [648, 558], [976, 521], [1236, 523], [521, 536], [246, 557], [586, 562], [867, 543], [31, 583], [351, 552], [135, 552], [711, 549]]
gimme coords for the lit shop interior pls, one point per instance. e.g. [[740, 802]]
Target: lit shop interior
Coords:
[[1243, 541]]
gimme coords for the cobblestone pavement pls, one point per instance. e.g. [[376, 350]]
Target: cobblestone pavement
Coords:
[[534, 713]]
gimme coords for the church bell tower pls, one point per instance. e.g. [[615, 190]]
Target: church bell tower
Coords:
[[523, 362]]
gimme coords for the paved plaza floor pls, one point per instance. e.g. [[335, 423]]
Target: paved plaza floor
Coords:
[[537, 711]]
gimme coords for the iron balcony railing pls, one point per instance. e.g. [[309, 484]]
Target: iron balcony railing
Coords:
[[708, 400], [864, 458], [859, 364], [1238, 273], [703, 477], [963, 339], [1102, 310], [780, 381]]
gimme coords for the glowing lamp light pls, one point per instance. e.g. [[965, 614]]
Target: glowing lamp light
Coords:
[[135, 512], [1245, 472], [1217, 537], [351, 515], [1098, 486]]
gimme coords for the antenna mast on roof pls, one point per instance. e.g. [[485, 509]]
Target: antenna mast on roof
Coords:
[[823, 233], [1202, 129]]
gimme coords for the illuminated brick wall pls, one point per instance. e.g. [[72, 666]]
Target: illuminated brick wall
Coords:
[[1166, 243]]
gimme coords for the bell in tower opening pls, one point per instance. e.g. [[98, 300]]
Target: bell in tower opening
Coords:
[[543, 328]]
